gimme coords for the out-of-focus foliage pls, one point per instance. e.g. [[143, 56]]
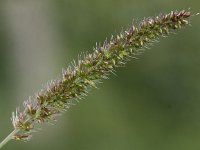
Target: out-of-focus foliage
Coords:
[[151, 104]]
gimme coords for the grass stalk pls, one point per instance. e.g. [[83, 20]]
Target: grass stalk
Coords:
[[9, 137]]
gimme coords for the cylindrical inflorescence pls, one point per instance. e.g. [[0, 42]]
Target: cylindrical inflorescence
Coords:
[[90, 69]]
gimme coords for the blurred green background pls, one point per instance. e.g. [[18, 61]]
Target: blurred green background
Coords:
[[152, 104]]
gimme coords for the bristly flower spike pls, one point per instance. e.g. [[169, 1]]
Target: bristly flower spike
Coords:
[[90, 69]]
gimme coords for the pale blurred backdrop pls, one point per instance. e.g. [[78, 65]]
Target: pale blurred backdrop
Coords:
[[152, 104]]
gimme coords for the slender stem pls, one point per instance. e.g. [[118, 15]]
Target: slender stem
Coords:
[[8, 138]]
